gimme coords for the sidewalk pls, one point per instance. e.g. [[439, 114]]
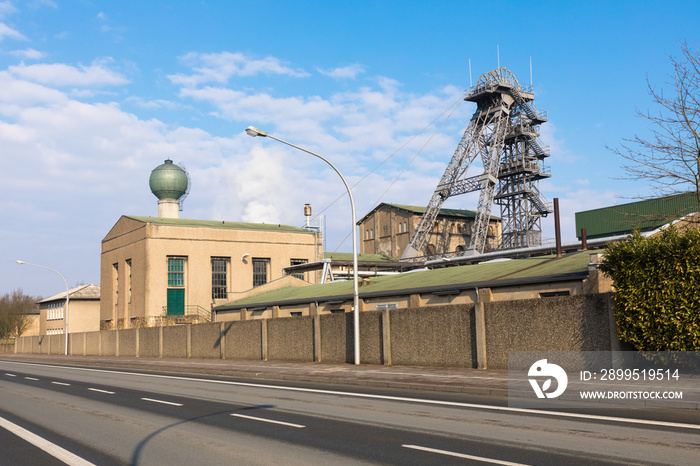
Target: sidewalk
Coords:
[[436, 379]]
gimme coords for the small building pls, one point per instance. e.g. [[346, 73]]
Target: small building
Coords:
[[166, 270], [33, 317], [83, 311], [387, 228], [503, 280], [338, 265], [647, 215]]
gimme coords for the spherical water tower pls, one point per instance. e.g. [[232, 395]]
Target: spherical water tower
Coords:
[[170, 183]]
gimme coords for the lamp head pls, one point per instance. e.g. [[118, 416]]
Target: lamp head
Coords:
[[254, 132], [21, 262]]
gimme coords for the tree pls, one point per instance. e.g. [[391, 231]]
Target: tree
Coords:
[[14, 313], [670, 158], [657, 289]]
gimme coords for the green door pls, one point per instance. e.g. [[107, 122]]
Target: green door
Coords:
[[176, 301]]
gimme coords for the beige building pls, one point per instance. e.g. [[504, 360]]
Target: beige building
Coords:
[[156, 271], [387, 228], [83, 311]]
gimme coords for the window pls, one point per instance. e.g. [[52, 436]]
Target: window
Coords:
[[128, 280], [219, 278], [115, 281], [301, 275], [260, 270], [176, 273], [295, 314], [54, 311], [552, 294], [381, 307]]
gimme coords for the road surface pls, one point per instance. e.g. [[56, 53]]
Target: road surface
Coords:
[[51, 414]]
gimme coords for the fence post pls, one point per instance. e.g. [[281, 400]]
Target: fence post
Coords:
[[480, 324], [317, 337], [386, 338], [222, 341], [263, 335]]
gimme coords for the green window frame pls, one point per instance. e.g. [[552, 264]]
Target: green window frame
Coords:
[[176, 273]]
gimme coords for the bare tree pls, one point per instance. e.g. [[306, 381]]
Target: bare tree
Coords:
[[669, 159], [14, 313]]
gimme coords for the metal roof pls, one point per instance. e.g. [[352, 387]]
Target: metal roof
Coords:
[[82, 292], [347, 256], [644, 215], [421, 210], [181, 222], [491, 274]]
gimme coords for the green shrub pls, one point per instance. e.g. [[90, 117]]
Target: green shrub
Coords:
[[657, 290]]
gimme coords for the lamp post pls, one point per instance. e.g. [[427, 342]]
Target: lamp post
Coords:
[[254, 132], [65, 316]]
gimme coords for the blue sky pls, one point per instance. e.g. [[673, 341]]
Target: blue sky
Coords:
[[94, 95]]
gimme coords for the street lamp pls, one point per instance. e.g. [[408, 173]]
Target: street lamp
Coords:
[[65, 315], [254, 132]]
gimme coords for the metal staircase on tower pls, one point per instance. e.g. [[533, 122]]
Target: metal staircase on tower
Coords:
[[503, 133]]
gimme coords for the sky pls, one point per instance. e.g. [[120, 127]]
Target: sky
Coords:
[[94, 95]]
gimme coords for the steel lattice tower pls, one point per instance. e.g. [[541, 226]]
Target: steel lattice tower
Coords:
[[503, 132]]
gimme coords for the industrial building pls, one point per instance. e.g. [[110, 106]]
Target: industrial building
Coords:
[[165, 270], [645, 216], [83, 311], [502, 280], [386, 229]]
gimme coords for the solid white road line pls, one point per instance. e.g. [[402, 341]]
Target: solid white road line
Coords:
[[40, 442], [288, 424], [462, 455], [458, 404], [61, 383], [162, 402], [31, 378], [101, 391]]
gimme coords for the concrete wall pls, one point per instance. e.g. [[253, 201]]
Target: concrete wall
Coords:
[[290, 339], [243, 340], [433, 336], [149, 342], [461, 335], [566, 323]]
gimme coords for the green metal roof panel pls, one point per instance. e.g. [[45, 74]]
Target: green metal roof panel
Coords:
[[180, 222], [645, 215], [461, 276]]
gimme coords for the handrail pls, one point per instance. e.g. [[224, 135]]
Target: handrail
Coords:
[[191, 310]]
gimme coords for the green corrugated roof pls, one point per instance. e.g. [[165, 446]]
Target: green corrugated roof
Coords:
[[645, 215], [450, 212], [181, 222], [467, 276], [421, 210]]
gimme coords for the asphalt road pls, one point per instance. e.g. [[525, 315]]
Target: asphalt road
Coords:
[[104, 416]]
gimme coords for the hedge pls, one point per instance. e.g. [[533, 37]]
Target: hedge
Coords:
[[657, 290]]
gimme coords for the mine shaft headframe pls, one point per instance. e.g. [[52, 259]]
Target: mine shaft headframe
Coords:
[[501, 100]]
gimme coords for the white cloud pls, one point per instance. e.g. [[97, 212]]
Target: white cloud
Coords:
[[155, 103], [61, 75], [8, 32], [7, 9], [220, 67], [29, 54], [346, 72]]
